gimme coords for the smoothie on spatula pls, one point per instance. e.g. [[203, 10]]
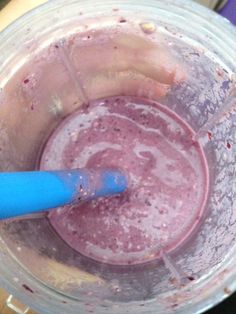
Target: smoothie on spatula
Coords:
[[167, 171]]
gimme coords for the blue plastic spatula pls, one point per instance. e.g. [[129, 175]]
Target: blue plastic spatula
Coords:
[[28, 192]]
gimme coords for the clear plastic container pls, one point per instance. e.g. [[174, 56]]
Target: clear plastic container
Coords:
[[45, 75]]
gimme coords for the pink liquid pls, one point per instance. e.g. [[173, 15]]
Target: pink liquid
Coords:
[[167, 172]]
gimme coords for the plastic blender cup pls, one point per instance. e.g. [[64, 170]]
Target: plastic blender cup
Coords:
[[51, 63]]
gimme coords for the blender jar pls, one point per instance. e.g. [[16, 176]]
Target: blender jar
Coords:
[[67, 53]]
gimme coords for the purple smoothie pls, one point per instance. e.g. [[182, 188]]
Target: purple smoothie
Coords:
[[168, 179]]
